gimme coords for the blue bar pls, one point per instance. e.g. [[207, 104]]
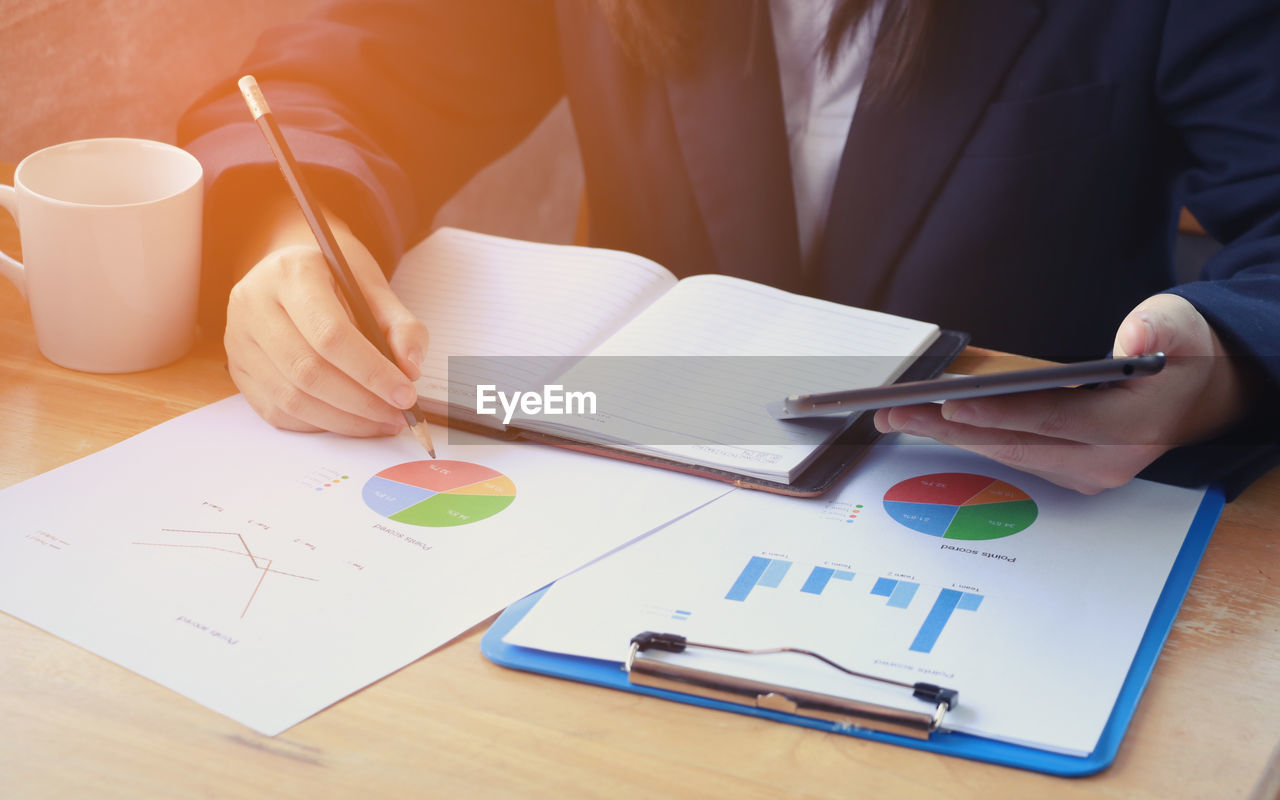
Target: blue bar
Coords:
[[969, 602], [747, 580], [817, 580], [884, 587], [843, 575], [902, 594], [774, 573], [936, 621]]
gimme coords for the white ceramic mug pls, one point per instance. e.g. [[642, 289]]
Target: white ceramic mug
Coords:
[[110, 232]]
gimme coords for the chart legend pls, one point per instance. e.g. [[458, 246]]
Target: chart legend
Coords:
[[841, 511], [322, 478], [438, 494], [960, 505]]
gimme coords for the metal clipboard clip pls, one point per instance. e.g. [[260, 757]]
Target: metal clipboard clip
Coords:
[[662, 674]]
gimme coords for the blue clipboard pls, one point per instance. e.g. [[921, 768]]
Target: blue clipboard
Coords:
[[610, 674]]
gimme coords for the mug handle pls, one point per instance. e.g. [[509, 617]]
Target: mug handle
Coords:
[[10, 267]]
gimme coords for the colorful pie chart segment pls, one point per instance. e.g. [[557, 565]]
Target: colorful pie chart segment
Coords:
[[438, 494], [960, 505]]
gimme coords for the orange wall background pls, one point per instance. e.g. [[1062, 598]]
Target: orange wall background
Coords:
[[73, 69]]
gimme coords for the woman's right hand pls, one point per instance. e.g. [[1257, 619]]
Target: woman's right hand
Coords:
[[296, 355]]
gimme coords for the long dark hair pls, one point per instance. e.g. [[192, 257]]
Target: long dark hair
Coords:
[[660, 34]]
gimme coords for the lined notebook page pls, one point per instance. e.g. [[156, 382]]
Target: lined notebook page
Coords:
[[482, 295], [721, 418]]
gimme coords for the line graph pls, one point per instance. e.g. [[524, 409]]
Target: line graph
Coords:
[[239, 547]]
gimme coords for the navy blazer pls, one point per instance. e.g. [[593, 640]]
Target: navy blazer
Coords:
[[1026, 191]]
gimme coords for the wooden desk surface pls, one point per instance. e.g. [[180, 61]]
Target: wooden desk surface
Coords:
[[454, 725]]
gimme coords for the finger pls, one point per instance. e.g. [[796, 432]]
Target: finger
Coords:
[[258, 397], [409, 343], [1122, 413], [1136, 335], [1095, 416], [1027, 452], [1082, 467], [1162, 323], [284, 405], [1129, 412], [406, 334], [263, 341], [330, 358]]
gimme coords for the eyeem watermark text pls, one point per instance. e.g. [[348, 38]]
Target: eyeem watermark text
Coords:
[[553, 400]]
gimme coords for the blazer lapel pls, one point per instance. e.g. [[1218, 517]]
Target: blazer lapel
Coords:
[[728, 119], [897, 154]]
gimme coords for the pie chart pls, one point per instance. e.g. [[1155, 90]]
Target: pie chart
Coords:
[[438, 494], [960, 505]]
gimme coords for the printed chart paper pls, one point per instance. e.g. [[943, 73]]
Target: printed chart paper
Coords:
[[267, 574], [927, 564]]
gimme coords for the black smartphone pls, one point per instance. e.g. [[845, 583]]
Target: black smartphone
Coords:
[[1084, 373]]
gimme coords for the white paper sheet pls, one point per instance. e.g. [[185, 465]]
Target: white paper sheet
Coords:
[[1035, 627], [262, 574]]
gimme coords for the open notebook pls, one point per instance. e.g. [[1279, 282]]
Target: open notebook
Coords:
[[681, 369]]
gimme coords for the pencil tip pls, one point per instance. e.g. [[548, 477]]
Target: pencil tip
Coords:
[[423, 436]]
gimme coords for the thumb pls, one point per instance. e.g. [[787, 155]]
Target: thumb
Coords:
[[409, 339], [406, 334], [1135, 336], [1157, 324]]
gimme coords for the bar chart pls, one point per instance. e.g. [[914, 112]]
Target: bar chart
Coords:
[[902, 592], [819, 577], [769, 572], [759, 571], [948, 601]]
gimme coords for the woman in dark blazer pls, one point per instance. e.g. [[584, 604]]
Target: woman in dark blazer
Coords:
[[1014, 169]]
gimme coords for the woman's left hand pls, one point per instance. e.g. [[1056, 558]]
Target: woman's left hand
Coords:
[[1095, 440]]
